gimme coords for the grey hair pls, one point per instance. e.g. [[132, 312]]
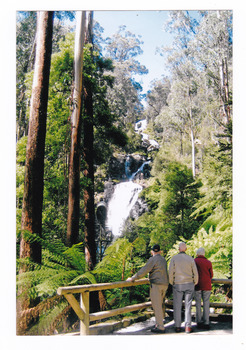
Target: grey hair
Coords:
[[200, 251], [182, 247]]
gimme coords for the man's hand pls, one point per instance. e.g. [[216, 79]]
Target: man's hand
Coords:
[[129, 279]]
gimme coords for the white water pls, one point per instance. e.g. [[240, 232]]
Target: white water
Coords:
[[119, 207]]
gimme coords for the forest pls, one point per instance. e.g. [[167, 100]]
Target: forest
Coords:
[[82, 129]]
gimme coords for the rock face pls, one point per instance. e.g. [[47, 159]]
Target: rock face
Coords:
[[139, 209], [123, 166]]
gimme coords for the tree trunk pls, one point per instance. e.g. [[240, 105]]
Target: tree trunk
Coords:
[[193, 153], [224, 90], [88, 157], [74, 164], [192, 139], [34, 170]]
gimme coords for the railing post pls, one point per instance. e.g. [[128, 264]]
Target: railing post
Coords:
[[84, 304]]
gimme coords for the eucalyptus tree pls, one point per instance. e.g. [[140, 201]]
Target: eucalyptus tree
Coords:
[[74, 164], [33, 189], [185, 110], [157, 97], [25, 48], [213, 47], [124, 97], [34, 169], [88, 161], [183, 101], [157, 103], [25, 55]]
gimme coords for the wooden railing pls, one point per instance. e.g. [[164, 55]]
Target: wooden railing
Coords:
[[82, 308]]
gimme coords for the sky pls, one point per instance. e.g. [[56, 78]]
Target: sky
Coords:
[[147, 24]]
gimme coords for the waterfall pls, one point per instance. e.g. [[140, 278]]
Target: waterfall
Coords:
[[119, 207], [140, 170], [123, 199]]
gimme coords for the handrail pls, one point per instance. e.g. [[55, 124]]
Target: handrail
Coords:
[[100, 286], [82, 308]]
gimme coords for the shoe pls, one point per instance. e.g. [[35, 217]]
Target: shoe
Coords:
[[206, 326], [188, 330], [177, 329], [199, 325], [157, 330]]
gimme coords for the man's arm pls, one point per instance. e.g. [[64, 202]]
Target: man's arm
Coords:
[[195, 272], [143, 271], [171, 272], [211, 271]]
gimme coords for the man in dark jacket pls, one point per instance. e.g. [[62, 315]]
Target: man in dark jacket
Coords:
[[156, 266], [203, 288]]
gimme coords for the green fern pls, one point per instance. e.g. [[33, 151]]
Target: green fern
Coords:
[[216, 239], [60, 266]]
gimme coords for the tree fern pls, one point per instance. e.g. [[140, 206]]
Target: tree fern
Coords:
[[60, 266], [215, 236], [119, 262]]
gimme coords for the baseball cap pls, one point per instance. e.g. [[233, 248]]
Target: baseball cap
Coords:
[[156, 248]]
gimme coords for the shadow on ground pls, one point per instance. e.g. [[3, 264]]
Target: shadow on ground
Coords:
[[220, 324]]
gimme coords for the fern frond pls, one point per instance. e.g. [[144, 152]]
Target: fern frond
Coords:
[[48, 319], [84, 279]]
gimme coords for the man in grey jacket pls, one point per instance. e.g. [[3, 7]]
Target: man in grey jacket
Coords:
[[156, 266], [183, 275]]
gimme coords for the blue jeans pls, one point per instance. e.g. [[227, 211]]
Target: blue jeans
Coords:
[[203, 295], [179, 291]]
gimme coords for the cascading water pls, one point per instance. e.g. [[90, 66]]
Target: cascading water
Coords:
[[124, 197], [140, 170], [119, 207]]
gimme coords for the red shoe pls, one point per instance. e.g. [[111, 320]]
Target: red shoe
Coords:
[[188, 330]]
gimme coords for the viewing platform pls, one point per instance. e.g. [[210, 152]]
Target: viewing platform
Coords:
[[221, 323]]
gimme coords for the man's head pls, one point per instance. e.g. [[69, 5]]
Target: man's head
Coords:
[[182, 247], [155, 249], [200, 251]]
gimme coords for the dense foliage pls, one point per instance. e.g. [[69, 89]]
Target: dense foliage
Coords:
[[189, 192]]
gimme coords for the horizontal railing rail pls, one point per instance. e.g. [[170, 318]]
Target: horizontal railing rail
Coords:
[[82, 308]]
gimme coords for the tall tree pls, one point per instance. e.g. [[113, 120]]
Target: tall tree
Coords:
[[25, 56], [213, 47], [88, 160], [74, 165], [25, 49], [183, 101], [34, 168], [124, 96]]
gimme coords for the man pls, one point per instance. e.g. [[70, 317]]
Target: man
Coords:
[[156, 266], [203, 288], [183, 275]]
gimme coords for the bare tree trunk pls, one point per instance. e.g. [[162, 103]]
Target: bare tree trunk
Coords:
[[34, 170], [88, 156], [224, 90], [193, 153], [74, 164]]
